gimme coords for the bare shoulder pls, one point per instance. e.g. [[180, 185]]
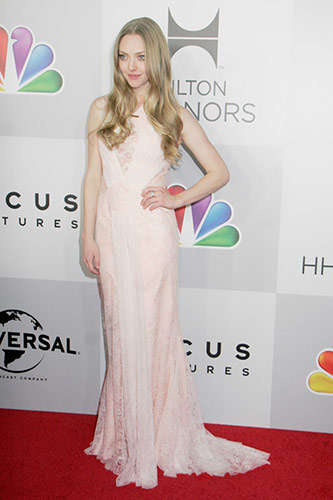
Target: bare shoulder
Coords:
[[97, 112], [99, 104], [185, 114], [191, 126]]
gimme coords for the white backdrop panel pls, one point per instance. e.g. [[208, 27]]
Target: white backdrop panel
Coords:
[[303, 329], [310, 100], [234, 386], [72, 29], [306, 237], [254, 192], [46, 244], [66, 345], [253, 61]]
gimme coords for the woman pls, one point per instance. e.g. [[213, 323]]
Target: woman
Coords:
[[148, 412]]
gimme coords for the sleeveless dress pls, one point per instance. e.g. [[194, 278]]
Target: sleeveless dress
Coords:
[[148, 413]]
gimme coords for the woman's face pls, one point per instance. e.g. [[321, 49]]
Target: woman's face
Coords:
[[132, 63]]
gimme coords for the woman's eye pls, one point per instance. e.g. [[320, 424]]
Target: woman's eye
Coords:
[[142, 57], [122, 56]]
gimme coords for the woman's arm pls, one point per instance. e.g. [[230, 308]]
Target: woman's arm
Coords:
[[92, 182], [217, 174]]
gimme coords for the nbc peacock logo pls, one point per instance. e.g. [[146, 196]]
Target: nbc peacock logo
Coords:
[[26, 66], [205, 223], [321, 381]]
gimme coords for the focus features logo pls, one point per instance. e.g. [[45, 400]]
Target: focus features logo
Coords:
[[203, 91], [214, 353], [24, 343], [19, 203]]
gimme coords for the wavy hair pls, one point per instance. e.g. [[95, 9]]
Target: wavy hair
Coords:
[[160, 103]]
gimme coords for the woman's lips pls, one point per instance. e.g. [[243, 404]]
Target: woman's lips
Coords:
[[133, 77]]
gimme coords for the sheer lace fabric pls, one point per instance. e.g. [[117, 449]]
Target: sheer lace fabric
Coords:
[[148, 415], [126, 149]]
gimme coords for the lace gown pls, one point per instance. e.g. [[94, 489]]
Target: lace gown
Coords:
[[148, 414]]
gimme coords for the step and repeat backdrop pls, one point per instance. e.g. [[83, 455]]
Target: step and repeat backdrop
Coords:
[[256, 257]]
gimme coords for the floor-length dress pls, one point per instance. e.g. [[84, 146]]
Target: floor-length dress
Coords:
[[148, 414]]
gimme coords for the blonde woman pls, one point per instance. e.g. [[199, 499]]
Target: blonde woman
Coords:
[[148, 413]]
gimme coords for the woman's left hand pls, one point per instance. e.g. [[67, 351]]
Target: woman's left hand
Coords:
[[157, 196]]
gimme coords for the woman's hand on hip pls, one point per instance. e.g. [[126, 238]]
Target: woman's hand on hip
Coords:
[[158, 196]]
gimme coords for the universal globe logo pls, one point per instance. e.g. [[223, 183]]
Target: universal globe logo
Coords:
[[24, 344]]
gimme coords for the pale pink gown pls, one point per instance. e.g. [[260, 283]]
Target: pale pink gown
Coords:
[[148, 414]]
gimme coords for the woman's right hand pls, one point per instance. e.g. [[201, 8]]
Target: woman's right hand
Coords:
[[91, 255]]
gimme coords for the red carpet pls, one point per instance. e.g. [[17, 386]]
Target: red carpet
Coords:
[[42, 458]]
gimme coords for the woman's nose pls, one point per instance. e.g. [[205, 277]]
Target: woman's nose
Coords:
[[132, 64]]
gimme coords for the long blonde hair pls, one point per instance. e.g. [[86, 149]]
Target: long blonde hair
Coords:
[[160, 103]]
